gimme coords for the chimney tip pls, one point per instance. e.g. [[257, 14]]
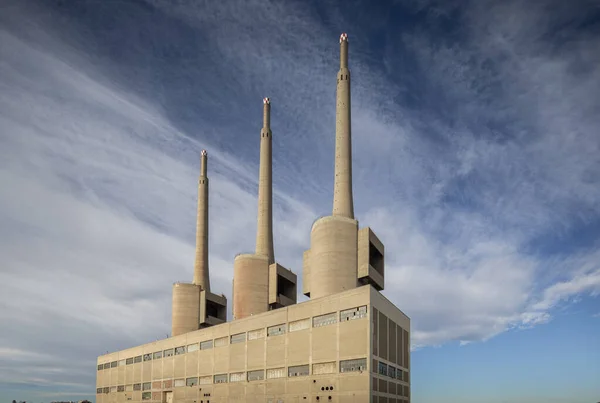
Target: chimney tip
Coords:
[[343, 37]]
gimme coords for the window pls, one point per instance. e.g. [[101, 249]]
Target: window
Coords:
[[382, 368], [205, 380], [146, 395], [354, 313], [221, 378], [298, 370], [100, 367], [205, 345], [392, 372], [98, 390], [237, 377], [157, 355], [221, 341], [324, 320], [399, 374], [179, 350], [324, 368], [191, 381], [146, 385], [121, 363], [168, 353], [121, 388], [353, 365], [256, 334], [105, 390], [137, 386], [129, 361], [238, 338], [167, 383], [113, 389], [179, 382], [107, 365], [147, 357], [300, 325], [257, 375], [192, 347], [275, 373], [137, 359], [128, 388], [276, 330], [113, 364]]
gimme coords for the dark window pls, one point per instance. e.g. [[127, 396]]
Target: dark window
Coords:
[[129, 361], [100, 367], [113, 364], [179, 350], [168, 353], [137, 359], [99, 390], [137, 386], [383, 368], [147, 357]]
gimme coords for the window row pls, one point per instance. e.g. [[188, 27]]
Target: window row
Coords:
[[355, 365], [317, 321], [390, 371]]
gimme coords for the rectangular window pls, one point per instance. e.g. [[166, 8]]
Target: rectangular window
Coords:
[[100, 367], [205, 380], [129, 361], [324, 368], [105, 390], [221, 378], [107, 365], [257, 375], [113, 364], [146, 395], [354, 313], [237, 377], [148, 357], [179, 383], [168, 353], [146, 385], [193, 381], [113, 389], [137, 359], [375, 366], [121, 388], [206, 345], [299, 325], [137, 386], [128, 388], [238, 338], [276, 330], [298, 370], [399, 374], [382, 369], [221, 341], [98, 390], [192, 347], [274, 373], [256, 334], [324, 320], [179, 350], [121, 363], [167, 383], [392, 372], [357, 365], [157, 355]]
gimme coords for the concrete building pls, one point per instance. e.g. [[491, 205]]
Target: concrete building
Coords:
[[348, 343]]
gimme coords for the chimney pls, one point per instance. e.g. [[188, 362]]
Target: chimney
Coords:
[[264, 232], [343, 204], [201, 275]]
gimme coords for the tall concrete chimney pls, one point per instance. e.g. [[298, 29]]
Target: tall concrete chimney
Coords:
[[264, 232], [201, 275], [343, 204]]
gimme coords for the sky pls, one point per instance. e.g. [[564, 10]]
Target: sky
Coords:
[[476, 161]]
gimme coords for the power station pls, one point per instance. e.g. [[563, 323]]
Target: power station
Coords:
[[348, 343]]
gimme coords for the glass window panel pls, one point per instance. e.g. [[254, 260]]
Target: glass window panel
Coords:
[[298, 370], [205, 345], [299, 325], [256, 334], [353, 365], [192, 347], [238, 338], [276, 330], [324, 320], [257, 375]]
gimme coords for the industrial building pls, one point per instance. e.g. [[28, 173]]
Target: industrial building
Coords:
[[348, 343]]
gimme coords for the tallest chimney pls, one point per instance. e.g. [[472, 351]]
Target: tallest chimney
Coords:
[[264, 233], [201, 276], [343, 204]]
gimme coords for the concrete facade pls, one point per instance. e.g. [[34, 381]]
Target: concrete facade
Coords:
[[348, 347]]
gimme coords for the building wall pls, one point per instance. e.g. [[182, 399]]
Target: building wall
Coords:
[[315, 339]]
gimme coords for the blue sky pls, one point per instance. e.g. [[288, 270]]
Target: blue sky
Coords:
[[476, 161]]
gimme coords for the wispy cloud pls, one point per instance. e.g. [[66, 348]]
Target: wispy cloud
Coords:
[[476, 162]]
